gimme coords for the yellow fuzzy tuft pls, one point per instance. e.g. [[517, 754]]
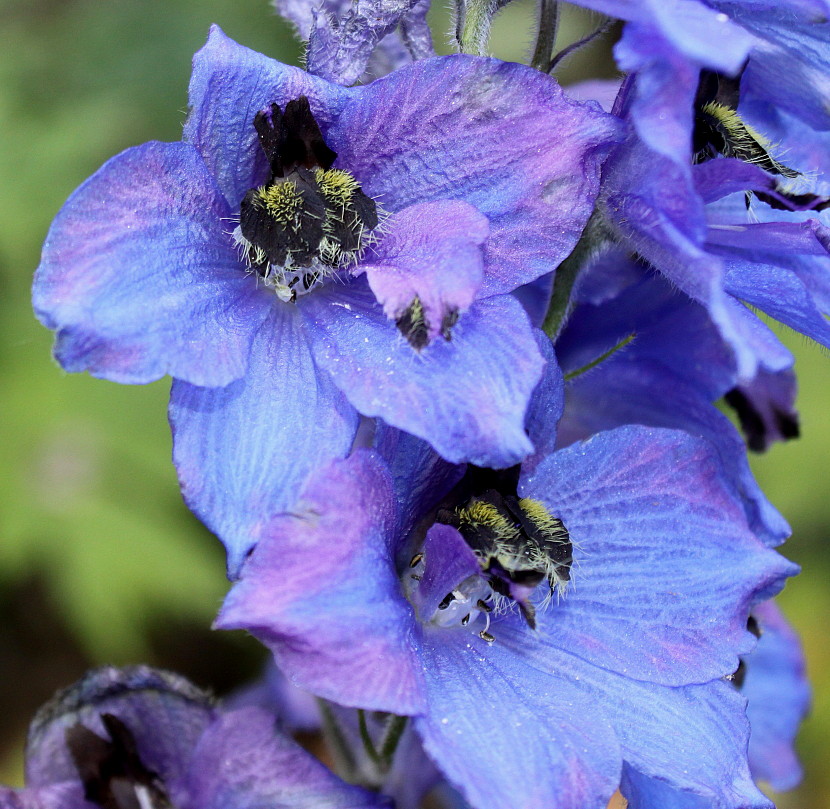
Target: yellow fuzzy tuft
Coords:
[[480, 513], [282, 201], [336, 185]]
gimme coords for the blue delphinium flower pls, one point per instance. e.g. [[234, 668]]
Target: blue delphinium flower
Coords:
[[663, 363], [311, 251], [691, 223], [778, 694], [139, 738], [417, 593]]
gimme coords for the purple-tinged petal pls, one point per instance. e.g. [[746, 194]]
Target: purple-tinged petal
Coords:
[[229, 86], [707, 37], [659, 539], [420, 476], [663, 93], [643, 392], [448, 561], [431, 251], [436, 130], [243, 451], [321, 591], [66, 795], [778, 695], [467, 396], [165, 714], [509, 734], [243, 762], [415, 32], [546, 406], [139, 278]]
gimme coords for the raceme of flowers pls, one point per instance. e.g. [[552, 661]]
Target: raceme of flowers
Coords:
[[448, 346]]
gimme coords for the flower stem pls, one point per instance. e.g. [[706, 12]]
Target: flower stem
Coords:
[[391, 737], [593, 238], [546, 38]]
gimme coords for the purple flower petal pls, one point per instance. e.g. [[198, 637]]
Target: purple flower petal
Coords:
[[467, 396], [244, 451], [321, 591], [431, 251], [139, 279], [449, 561], [229, 86], [708, 38], [479, 130], [642, 392], [659, 539], [509, 734], [165, 714], [242, 762], [778, 695]]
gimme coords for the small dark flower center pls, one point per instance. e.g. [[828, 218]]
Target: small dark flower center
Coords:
[[112, 772], [517, 543], [309, 220]]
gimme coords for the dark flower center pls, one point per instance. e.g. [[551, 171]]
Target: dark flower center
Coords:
[[720, 130], [309, 220], [112, 772], [517, 543]]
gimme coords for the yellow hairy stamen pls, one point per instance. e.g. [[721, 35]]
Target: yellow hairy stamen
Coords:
[[282, 201], [540, 516], [336, 185], [735, 125], [485, 514]]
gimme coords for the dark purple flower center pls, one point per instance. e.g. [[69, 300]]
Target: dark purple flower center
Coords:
[[309, 220], [518, 545], [112, 772]]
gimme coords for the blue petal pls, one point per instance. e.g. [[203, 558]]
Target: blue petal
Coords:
[[630, 392], [789, 62], [421, 477], [321, 591], [509, 734], [140, 279], [664, 90], [693, 737], [659, 539], [431, 251], [706, 37], [467, 396], [243, 451], [229, 86], [778, 695], [243, 762], [643, 792], [761, 263], [546, 406], [478, 130]]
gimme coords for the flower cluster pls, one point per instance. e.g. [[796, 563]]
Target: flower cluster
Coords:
[[447, 349]]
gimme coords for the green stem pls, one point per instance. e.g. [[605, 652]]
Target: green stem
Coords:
[[368, 744], [546, 38], [593, 238], [600, 359], [344, 761], [474, 17], [391, 737]]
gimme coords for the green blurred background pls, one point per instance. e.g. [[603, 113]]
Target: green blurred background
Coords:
[[100, 562]]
